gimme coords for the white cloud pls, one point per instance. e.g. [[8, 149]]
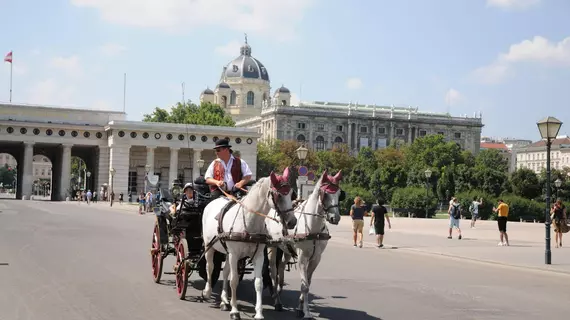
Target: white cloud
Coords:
[[231, 49], [274, 18], [512, 4], [538, 50], [452, 97], [69, 65], [112, 49], [353, 83], [51, 92]]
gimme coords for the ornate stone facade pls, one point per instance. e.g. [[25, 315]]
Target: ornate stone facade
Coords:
[[321, 125], [105, 141]]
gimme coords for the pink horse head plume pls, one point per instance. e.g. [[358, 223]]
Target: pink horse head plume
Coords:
[[330, 184], [280, 182]]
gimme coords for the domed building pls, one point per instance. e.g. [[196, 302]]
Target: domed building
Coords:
[[244, 87]]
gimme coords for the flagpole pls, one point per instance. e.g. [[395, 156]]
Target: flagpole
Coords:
[[11, 68], [124, 91]]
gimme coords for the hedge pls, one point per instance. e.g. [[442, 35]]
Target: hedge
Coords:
[[485, 210], [414, 199], [522, 207]]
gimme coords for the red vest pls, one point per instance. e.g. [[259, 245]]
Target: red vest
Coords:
[[219, 171]]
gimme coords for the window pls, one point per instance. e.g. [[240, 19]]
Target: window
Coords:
[[457, 135], [399, 132], [363, 129], [381, 130], [441, 133], [250, 98], [320, 143], [300, 125], [301, 138], [422, 133], [233, 98], [320, 127], [339, 128], [133, 182], [337, 141]]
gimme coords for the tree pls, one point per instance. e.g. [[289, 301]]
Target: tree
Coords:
[[390, 173], [7, 175], [525, 183], [335, 160], [363, 168], [189, 113], [430, 152]]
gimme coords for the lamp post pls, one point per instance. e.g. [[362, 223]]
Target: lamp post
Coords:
[[302, 153], [87, 180], [200, 166], [558, 184], [548, 128], [112, 171], [427, 173]]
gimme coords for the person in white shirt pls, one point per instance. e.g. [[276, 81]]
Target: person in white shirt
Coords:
[[226, 172], [474, 209]]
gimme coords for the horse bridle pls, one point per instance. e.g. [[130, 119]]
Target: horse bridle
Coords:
[[326, 209], [274, 194]]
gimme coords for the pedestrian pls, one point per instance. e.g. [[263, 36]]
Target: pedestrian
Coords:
[[474, 209], [454, 212], [121, 195], [357, 212], [379, 214], [503, 212], [558, 217], [88, 196]]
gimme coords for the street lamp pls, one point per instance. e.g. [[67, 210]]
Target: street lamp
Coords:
[[427, 173], [112, 171], [558, 184], [301, 155], [87, 180], [548, 128], [200, 165]]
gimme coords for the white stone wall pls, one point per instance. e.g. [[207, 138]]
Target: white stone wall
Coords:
[[119, 160], [103, 168]]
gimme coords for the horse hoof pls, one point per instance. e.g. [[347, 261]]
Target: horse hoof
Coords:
[[224, 307], [279, 307], [300, 314], [235, 316]]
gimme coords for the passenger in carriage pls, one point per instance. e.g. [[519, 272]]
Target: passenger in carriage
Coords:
[[227, 172], [189, 201]]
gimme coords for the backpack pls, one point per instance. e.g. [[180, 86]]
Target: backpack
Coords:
[[456, 211]]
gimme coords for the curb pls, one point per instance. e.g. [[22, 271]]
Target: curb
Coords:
[[476, 260]]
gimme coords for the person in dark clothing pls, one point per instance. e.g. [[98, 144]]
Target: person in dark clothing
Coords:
[[558, 217], [379, 214]]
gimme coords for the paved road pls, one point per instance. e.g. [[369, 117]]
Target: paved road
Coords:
[[70, 261]]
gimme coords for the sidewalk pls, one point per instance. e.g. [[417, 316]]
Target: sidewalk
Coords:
[[429, 236], [125, 206]]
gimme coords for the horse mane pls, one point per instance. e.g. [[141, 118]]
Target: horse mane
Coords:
[[261, 183], [317, 187]]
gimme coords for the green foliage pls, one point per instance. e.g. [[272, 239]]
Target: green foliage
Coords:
[[7, 175], [521, 207], [485, 210], [415, 199], [189, 113], [525, 184]]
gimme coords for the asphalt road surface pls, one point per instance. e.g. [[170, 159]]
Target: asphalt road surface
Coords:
[[68, 261]]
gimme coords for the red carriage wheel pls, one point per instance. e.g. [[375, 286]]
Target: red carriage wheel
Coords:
[[182, 269], [156, 254]]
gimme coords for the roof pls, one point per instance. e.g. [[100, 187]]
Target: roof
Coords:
[[493, 145], [542, 143]]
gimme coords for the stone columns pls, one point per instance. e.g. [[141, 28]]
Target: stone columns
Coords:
[[65, 178], [374, 137], [28, 171], [102, 169], [173, 171], [195, 167], [150, 159], [119, 160]]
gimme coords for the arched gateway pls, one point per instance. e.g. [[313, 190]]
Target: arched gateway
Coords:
[[118, 154]]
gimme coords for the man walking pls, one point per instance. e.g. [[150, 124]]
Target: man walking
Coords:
[[474, 209], [503, 213], [454, 212], [379, 213]]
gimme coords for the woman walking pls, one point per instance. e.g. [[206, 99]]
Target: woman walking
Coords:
[[357, 212], [558, 216]]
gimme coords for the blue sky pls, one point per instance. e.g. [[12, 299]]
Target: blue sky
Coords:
[[509, 59]]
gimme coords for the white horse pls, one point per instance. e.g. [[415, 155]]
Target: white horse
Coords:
[[244, 234], [309, 238]]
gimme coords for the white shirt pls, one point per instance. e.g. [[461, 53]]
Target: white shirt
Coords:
[[228, 179]]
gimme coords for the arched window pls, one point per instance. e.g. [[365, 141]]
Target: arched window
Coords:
[[250, 98], [337, 142], [224, 103], [301, 138], [320, 143], [233, 99]]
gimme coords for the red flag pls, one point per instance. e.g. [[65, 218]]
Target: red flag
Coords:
[[8, 57]]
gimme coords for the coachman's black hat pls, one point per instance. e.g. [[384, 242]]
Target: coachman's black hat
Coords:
[[222, 143]]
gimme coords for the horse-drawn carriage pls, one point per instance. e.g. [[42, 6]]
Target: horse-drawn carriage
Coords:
[[180, 234]]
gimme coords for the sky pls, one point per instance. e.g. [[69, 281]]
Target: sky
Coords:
[[508, 59]]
